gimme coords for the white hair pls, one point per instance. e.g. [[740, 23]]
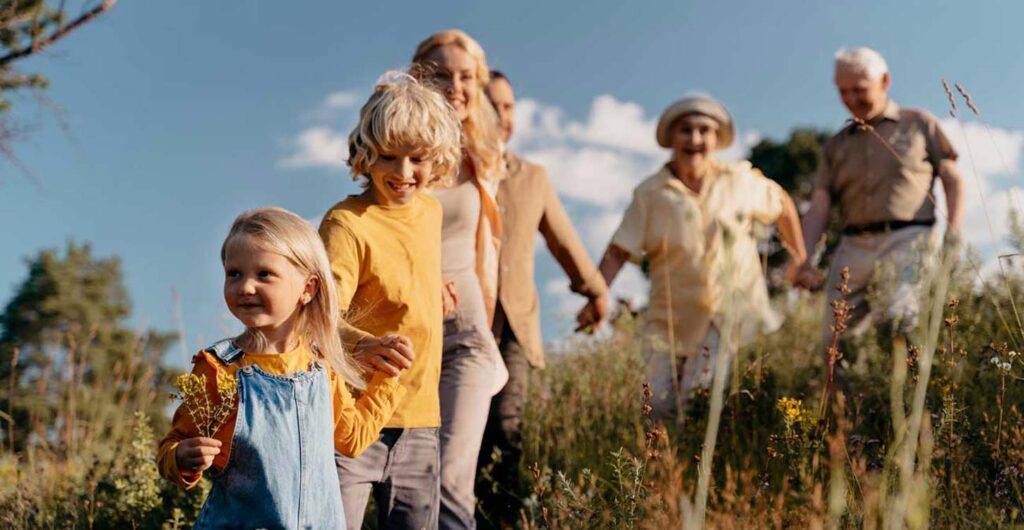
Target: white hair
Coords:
[[861, 60]]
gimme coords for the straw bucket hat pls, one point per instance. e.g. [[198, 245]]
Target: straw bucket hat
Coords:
[[704, 105]]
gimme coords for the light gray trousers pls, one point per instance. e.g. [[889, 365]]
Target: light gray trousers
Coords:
[[692, 370], [469, 377]]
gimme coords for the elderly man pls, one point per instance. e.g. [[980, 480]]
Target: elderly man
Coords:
[[880, 170], [528, 204]]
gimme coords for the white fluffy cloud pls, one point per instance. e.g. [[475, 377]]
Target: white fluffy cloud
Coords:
[[342, 99], [323, 144], [316, 147], [618, 124], [990, 162], [595, 176]]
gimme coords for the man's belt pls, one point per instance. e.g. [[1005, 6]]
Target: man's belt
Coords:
[[883, 226]]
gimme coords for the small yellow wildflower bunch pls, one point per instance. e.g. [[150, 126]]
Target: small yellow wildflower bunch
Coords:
[[208, 417], [792, 410]]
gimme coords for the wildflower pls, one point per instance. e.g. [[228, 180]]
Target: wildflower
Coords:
[[1013, 354], [994, 360], [791, 409], [1005, 367], [208, 417]]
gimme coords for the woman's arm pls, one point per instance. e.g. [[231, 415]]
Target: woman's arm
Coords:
[[792, 237]]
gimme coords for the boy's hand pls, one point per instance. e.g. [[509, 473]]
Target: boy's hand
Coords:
[[389, 354], [195, 455]]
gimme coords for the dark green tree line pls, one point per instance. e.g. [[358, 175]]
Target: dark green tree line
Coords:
[[68, 359]]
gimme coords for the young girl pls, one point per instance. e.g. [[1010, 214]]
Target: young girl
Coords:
[[385, 251], [273, 458]]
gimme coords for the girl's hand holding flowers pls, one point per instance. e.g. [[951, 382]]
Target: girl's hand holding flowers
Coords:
[[195, 455]]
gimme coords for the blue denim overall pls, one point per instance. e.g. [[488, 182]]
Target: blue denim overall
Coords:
[[280, 473]]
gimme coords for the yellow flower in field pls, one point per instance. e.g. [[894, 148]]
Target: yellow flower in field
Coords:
[[792, 409]]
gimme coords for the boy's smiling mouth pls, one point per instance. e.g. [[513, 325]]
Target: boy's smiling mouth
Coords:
[[401, 186]]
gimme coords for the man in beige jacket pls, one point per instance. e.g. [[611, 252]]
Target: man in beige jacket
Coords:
[[528, 204]]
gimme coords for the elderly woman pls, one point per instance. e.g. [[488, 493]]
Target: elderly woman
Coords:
[[692, 221]]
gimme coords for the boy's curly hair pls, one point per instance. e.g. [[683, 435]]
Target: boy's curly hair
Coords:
[[403, 112]]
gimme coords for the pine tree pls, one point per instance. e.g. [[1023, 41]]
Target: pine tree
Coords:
[[69, 363]]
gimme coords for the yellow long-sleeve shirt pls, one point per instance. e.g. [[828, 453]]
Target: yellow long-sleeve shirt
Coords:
[[386, 262], [357, 422]]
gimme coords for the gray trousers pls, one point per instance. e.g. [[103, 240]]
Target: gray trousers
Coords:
[[468, 380], [500, 493], [891, 262], [401, 469]]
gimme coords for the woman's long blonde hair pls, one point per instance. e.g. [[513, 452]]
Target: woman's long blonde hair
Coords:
[[404, 112], [481, 135], [282, 232]]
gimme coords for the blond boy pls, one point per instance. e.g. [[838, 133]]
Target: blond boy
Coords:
[[384, 246]]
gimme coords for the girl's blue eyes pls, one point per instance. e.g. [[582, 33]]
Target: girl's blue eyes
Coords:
[[261, 274]]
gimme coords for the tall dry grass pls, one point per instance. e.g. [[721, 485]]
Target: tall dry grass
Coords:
[[925, 448], [923, 431], [93, 465]]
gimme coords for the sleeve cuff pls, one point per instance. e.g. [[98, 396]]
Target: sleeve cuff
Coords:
[[634, 255], [184, 479], [350, 337]]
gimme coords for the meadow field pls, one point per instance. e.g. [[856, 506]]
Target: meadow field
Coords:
[[928, 433]]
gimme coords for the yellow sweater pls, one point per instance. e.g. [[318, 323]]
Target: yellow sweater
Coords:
[[387, 265], [357, 423]]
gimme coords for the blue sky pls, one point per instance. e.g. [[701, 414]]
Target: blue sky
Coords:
[[177, 116]]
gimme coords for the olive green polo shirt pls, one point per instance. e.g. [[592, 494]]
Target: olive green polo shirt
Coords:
[[869, 183]]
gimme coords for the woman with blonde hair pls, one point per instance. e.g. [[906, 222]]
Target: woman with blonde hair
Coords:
[[471, 368]]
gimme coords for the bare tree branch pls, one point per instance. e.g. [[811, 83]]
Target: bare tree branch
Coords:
[[8, 134], [59, 33]]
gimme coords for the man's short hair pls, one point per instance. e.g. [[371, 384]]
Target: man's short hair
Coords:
[[862, 60], [498, 74]]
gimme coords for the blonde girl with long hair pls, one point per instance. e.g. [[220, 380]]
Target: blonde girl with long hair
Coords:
[[385, 250], [472, 369], [286, 385]]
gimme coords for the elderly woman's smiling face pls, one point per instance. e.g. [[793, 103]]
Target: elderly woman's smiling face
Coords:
[[693, 138]]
